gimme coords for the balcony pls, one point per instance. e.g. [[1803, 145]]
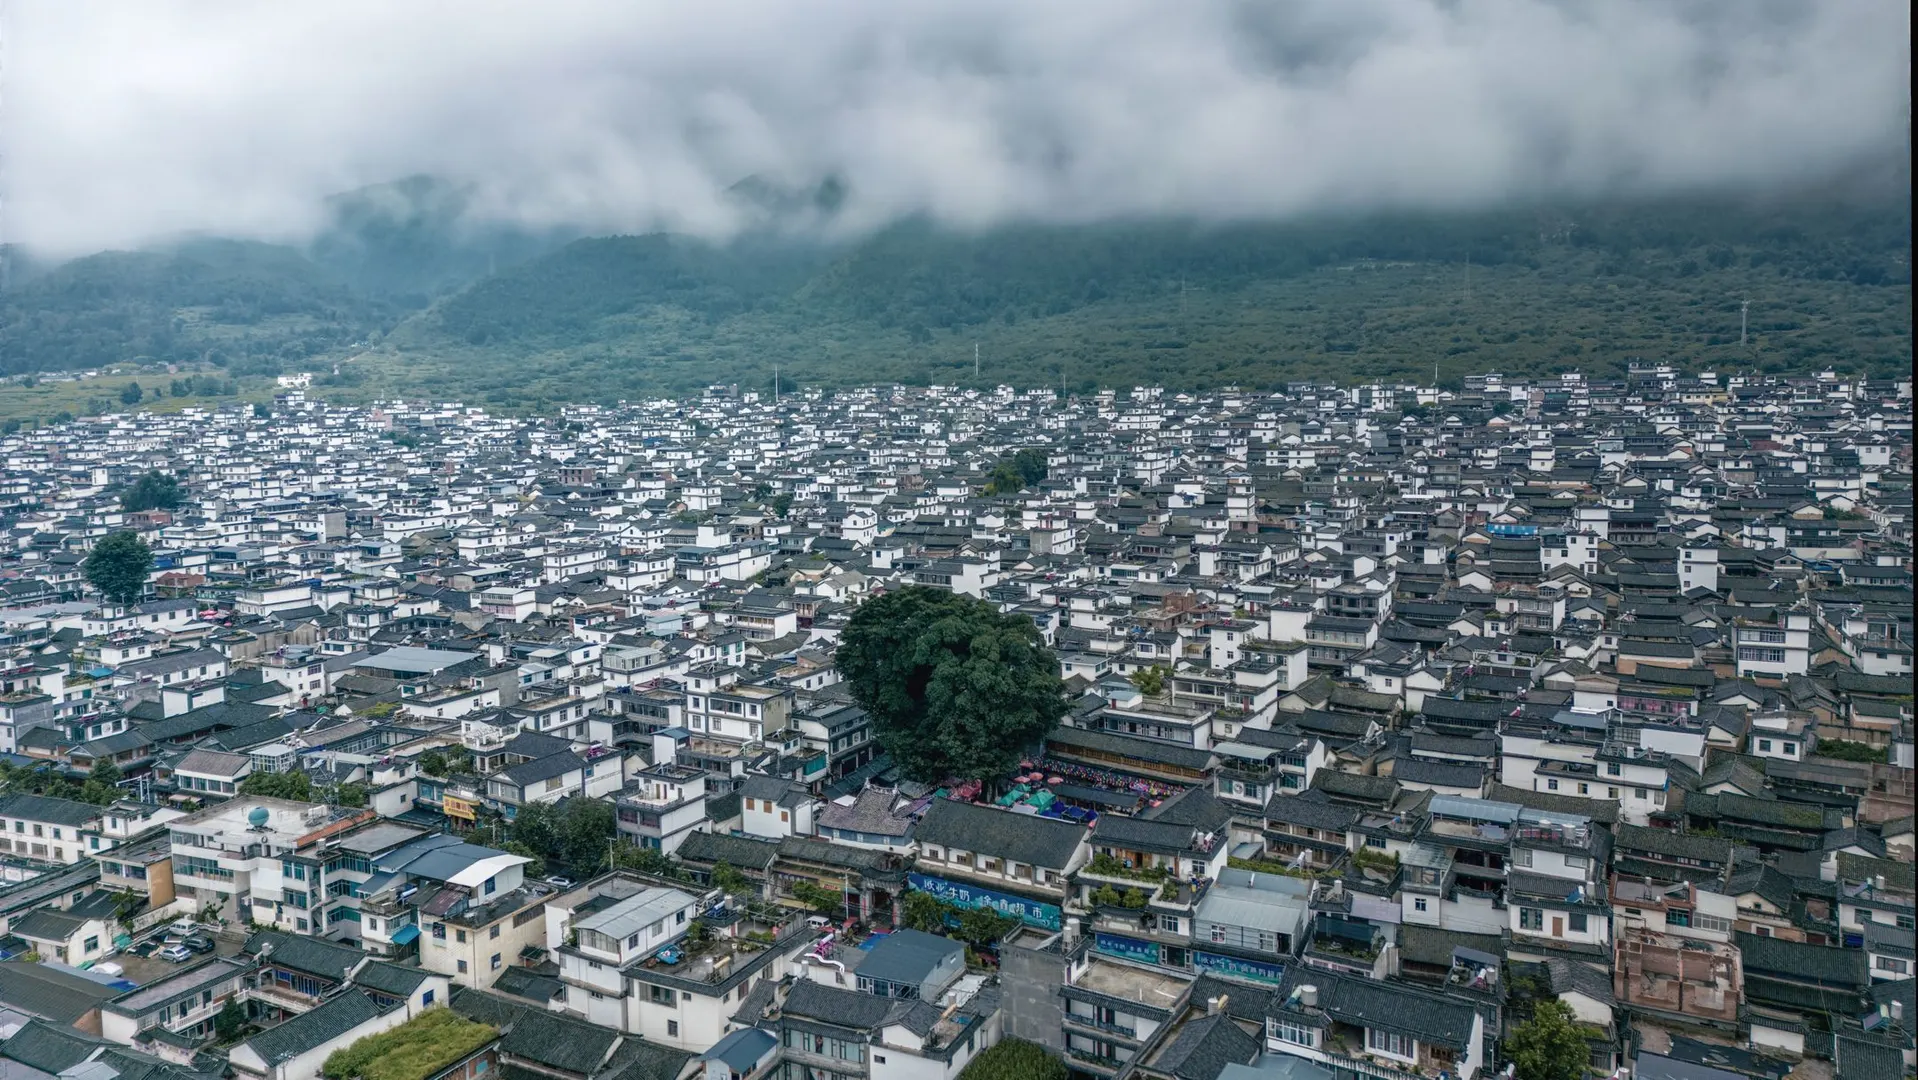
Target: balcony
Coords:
[[1090, 1023], [1094, 1061], [1107, 868]]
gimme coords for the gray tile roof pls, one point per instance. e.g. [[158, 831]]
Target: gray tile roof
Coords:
[[1024, 838], [329, 1020]]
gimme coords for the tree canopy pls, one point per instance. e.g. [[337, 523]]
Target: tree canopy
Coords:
[[284, 785], [575, 832], [954, 687], [1548, 1046], [1015, 1059], [118, 567], [154, 490]]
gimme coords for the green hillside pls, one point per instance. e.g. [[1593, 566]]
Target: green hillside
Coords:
[[247, 306], [512, 318], [1177, 304]]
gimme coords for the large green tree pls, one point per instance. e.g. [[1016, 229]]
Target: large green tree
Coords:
[[1548, 1046], [955, 688], [154, 490], [118, 566]]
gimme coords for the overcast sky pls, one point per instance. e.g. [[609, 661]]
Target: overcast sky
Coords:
[[126, 121]]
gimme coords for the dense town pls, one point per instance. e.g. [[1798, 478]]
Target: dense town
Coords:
[[1409, 733]]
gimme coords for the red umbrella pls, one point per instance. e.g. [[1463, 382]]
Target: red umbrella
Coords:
[[1055, 779]]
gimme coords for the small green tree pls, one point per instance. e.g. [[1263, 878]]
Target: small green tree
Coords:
[[154, 490], [433, 763], [229, 1020], [925, 912], [536, 868], [537, 825], [822, 900], [1015, 1059], [783, 503], [118, 567], [1548, 1046], [730, 881], [278, 785], [105, 772], [1005, 480], [587, 829], [1031, 465], [1150, 681], [351, 795], [130, 394]]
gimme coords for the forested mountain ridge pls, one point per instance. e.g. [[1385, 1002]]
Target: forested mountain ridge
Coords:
[[513, 317], [1181, 304]]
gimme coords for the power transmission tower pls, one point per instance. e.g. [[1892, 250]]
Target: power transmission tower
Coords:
[[1744, 320], [975, 361]]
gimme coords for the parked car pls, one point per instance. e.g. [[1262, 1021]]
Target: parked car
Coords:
[[182, 928], [144, 949], [559, 882], [108, 967], [179, 954], [199, 944]]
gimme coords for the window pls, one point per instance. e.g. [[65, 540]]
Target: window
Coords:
[[1891, 964], [1418, 904], [1576, 862], [1218, 934], [1373, 841], [1521, 856], [492, 932], [492, 885], [461, 935], [672, 1029], [661, 995], [1575, 922], [1613, 768], [1764, 745], [1611, 793], [1551, 785], [1387, 1042], [1584, 789], [462, 964], [426, 998], [1531, 918], [1712, 923], [1298, 1035], [1169, 923], [439, 931], [495, 962], [91, 944]]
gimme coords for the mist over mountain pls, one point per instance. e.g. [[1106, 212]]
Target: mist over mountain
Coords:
[[129, 125]]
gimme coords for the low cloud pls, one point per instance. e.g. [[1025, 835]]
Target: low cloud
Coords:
[[124, 123]]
